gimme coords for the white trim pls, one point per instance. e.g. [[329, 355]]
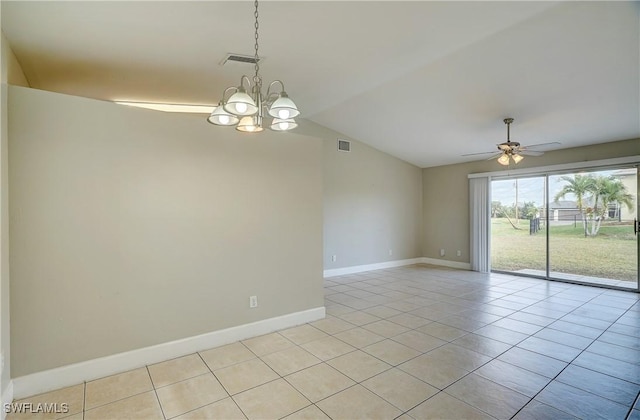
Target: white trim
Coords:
[[391, 264], [562, 167], [7, 398], [446, 263], [48, 380], [368, 267]]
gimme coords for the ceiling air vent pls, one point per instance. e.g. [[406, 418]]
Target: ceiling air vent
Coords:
[[344, 145], [239, 58]]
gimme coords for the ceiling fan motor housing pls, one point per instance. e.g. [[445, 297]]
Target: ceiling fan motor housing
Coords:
[[509, 146]]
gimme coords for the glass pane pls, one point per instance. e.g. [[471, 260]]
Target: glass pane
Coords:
[[518, 236], [591, 237]]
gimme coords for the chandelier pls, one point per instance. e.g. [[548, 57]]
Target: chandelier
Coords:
[[245, 106]]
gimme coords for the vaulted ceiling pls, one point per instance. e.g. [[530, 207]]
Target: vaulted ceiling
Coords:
[[424, 81]]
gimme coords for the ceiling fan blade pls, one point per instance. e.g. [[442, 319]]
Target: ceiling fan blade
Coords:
[[496, 155], [527, 152], [481, 153], [539, 145]]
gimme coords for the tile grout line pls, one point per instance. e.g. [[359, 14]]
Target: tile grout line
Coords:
[[116, 400], [155, 392], [637, 401], [84, 400], [217, 379]]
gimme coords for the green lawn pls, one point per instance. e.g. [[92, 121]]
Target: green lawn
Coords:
[[611, 254]]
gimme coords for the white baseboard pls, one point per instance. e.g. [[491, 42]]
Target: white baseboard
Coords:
[[7, 398], [368, 267], [399, 263], [48, 380], [446, 263]]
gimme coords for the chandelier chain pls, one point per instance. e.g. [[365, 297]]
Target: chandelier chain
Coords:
[[257, 66]]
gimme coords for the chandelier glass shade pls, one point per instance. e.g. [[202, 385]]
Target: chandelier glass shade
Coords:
[[221, 117], [245, 106], [283, 125], [249, 124], [240, 103]]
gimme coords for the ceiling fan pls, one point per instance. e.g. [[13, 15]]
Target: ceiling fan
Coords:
[[512, 150]]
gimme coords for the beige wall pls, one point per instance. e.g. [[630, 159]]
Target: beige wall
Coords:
[[446, 194], [372, 203], [11, 73], [131, 227]]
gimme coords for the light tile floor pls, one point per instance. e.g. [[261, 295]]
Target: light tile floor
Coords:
[[412, 342]]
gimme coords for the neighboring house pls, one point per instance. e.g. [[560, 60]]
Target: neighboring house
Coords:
[[630, 180], [564, 210]]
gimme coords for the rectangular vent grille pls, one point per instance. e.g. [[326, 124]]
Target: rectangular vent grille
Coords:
[[344, 146], [239, 58]]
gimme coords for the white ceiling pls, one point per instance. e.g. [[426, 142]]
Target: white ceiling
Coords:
[[423, 81]]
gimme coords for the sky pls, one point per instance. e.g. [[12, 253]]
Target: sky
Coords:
[[531, 189]]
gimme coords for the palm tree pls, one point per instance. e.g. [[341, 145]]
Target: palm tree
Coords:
[[580, 186], [610, 190], [598, 189], [616, 192]]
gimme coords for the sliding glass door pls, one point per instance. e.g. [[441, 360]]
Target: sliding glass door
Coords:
[[518, 225], [591, 232], [577, 227]]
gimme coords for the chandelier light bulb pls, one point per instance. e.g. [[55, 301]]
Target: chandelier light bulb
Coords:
[[504, 159], [241, 107], [224, 119], [283, 114]]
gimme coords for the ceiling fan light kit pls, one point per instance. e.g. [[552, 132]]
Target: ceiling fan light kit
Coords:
[[503, 159], [245, 106]]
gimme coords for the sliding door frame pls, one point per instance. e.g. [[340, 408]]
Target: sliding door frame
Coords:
[[546, 171]]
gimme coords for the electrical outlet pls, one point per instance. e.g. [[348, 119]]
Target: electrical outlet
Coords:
[[334, 258], [459, 253], [391, 252], [253, 301], [442, 252]]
